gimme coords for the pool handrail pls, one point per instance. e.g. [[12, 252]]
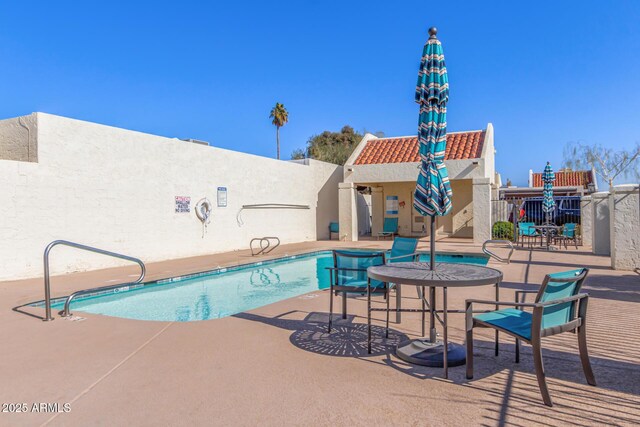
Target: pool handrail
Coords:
[[495, 256], [264, 249], [47, 280]]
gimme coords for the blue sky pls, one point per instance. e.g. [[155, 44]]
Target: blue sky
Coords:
[[544, 73]]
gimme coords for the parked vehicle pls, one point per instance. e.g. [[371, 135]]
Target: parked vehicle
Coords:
[[567, 210]]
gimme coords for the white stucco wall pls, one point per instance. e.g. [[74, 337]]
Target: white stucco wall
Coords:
[[481, 210], [624, 211], [328, 176], [586, 222], [600, 224], [115, 189]]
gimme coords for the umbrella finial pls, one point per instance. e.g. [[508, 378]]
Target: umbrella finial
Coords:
[[432, 32]]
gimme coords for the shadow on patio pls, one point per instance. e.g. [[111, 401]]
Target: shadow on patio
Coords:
[[615, 400], [347, 339]]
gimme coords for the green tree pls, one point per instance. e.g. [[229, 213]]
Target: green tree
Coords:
[[298, 154], [280, 117], [333, 147]]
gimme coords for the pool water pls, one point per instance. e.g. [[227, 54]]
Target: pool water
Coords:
[[225, 292]]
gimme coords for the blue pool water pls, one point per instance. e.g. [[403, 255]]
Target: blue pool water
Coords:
[[226, 291]]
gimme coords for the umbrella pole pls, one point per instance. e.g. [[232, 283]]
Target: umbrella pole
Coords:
[[432, 260]]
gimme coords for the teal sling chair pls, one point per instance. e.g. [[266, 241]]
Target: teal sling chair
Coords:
[[349, 275], [558, 307]]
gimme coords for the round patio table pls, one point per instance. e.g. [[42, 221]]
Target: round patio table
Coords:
[[429, 351]]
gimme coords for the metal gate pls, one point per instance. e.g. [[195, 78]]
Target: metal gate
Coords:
[[506, 213]]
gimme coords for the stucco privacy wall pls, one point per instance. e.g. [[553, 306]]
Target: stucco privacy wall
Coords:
[[624, 212], [586, 222], [600, 224], [115, 189]]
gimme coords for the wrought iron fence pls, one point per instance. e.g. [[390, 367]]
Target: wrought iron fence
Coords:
[[508, 212]]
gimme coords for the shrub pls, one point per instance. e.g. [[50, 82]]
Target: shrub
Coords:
[[502, 230]]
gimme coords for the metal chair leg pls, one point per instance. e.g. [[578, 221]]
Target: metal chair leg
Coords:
[[584, 355], [330, 307], [387, 312], [368, 316], [398, 303], [424, 308], [445, 336], [517, 350], [469, 345], [539, 367], [497, 334], [344, 305]]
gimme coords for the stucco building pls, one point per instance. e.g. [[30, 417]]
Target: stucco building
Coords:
[[387, 168]]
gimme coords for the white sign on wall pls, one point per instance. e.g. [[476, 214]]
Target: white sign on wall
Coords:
[[222, 197], [392, 205], [183, 204]]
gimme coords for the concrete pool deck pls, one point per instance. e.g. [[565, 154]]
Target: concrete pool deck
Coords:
[[276, 365]]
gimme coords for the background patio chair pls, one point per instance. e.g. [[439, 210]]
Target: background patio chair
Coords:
[[389, 228], [403, 250], [526, 231], [568, 233], [334, 227], [349, 275], [553, 312]]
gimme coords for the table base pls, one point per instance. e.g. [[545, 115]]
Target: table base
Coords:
[[423, 352]]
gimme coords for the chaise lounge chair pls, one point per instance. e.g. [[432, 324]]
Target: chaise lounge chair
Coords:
[[334, 228], [389, 228], [558, 308]]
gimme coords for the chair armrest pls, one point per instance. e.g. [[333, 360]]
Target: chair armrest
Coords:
[[523, 292], [563, 300], [507, 303], [345, 269], [414, 255], [528, 304]]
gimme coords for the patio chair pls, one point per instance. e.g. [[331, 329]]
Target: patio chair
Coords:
[[403, 250], [349, 275], [568, 233], [553, 312], [389, 228], [334, 227], [526, 230]]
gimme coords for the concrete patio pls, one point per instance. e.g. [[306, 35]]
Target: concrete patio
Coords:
[[277, 365]]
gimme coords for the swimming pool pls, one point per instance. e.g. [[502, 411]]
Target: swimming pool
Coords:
[[225, 291]]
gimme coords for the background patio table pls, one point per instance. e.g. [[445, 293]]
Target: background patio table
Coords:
[[547, 230], [428, 351]]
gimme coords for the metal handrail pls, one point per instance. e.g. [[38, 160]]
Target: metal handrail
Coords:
[[493, 255], [263, 249], [47, 281]]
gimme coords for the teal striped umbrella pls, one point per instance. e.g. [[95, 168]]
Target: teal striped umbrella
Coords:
[[548, 177], [433, 190]]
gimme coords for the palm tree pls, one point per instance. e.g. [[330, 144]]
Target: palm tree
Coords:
[[280, 117]]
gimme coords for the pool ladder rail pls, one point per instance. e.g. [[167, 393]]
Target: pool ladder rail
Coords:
[[47, 280], [265, 245], [493, 255]]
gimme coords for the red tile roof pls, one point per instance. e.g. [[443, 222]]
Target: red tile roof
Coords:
[[566, 179], [460, 145]]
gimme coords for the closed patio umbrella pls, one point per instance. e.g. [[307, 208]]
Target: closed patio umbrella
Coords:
[[548, 204], [433, 190]]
